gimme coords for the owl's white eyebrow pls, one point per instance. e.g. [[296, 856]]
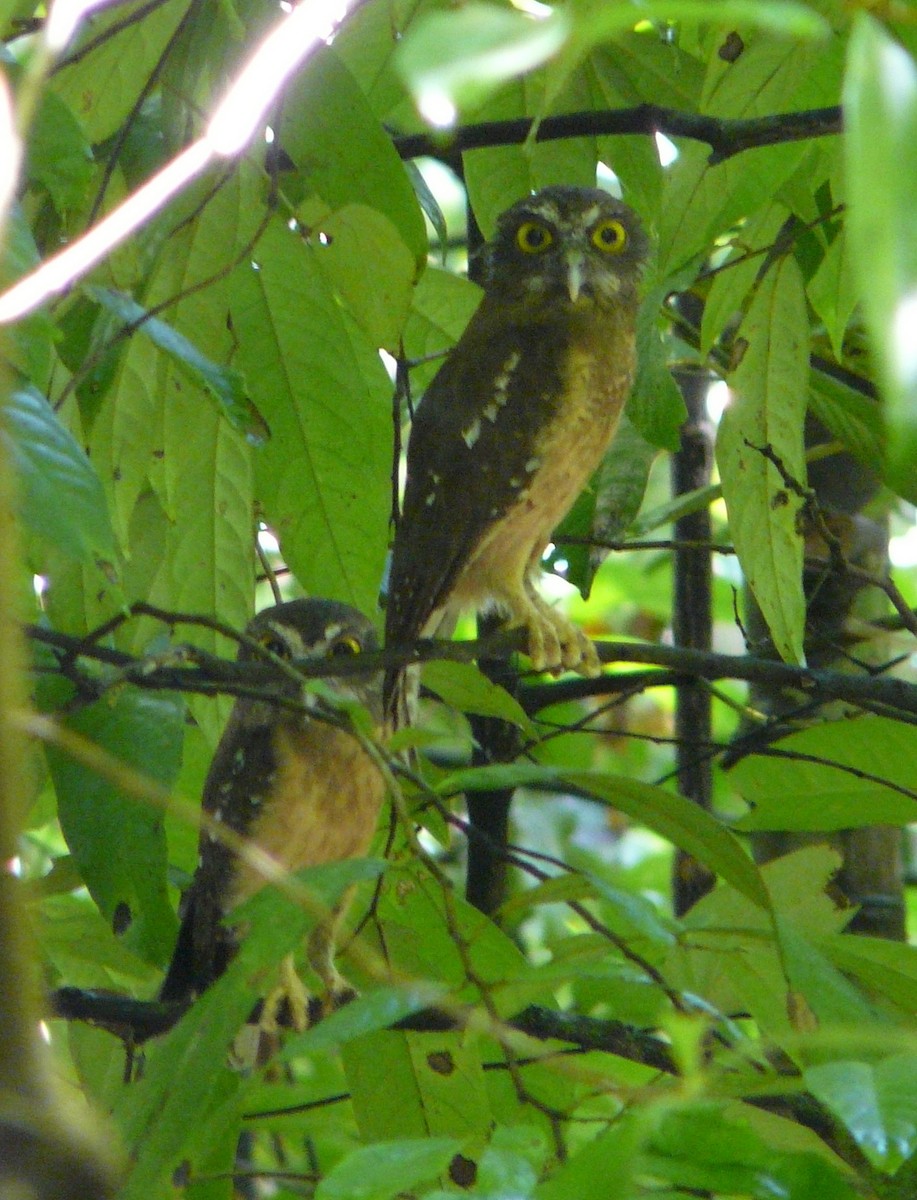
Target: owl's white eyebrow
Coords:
[[546, 212]]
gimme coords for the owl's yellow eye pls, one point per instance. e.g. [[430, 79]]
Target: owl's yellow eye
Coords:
[[533, 238], [609, 235], [345, 645], [273, 642]]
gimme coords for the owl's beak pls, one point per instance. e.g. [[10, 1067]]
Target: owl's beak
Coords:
[[576, 274]]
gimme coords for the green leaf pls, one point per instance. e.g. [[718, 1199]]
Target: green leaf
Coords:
[[59, 156], [833, 291], [865, 776], [224, 384], [383, 1171], [655, 405], [877, 1102], [103, 86], [880, 107], [208, 563], [367, 263], [117, 840], [60, 496], [442, 306], [827, 992], [323, 476], [854, 419], [377, 1009], [766, 415], [374, 1065], [185, 1081], [604, 511], [778, 16], [731, 1149], [464, 687], [605, 1166], [497, 175], [496, 776], [633, 916], [734, 281], [497, 45], [681, 822], [346, 157], [27, 342], [880, 965]]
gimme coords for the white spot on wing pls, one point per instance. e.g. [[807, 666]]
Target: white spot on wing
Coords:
[[532, 465], [472, 433]]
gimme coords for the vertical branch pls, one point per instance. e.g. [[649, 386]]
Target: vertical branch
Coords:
[[494, 741], [692, 625]]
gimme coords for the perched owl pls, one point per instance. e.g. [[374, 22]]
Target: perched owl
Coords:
[[303, 790], [515, 422]]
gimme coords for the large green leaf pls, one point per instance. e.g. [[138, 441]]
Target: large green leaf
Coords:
[[464, 687], [701, 200], [766, 419], [681, 822], [604, 511], [733, 1150], [833, 290], [876, 1101], [117, 840], [387, 1169], [330, 132], [102, 86], [837, 775], [880, 106], [497, 45], [27, 343], [370, 267], [323, 475], [224, 384], [60, 496], [59, 156], [197, 464]]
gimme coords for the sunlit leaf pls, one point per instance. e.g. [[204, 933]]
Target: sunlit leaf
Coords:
[[760, 454], [880, 105]]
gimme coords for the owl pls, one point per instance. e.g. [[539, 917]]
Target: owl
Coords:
[[303, 790], [514, 423]]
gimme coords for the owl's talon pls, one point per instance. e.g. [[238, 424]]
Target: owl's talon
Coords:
[[554, 643], [289, 1004]]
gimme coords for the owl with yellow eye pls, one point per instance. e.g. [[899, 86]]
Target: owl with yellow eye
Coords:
[[515, 422]]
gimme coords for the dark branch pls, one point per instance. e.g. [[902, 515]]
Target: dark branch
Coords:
[[135, 1021], [188, 669], [725, 138]]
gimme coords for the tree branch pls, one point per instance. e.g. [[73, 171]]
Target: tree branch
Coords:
[[725, 137], [188, 669]]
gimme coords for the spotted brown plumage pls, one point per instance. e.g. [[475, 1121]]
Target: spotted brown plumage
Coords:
[[302, 789], [515, 422]]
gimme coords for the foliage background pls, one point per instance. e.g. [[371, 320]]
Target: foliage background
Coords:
[[220, 373]]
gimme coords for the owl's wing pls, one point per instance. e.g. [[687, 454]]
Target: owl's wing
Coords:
[[238, 782], [472, 450]]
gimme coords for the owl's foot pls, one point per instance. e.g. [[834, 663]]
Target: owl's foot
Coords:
[[555, 644], [289, 1005], [324, 1006]]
